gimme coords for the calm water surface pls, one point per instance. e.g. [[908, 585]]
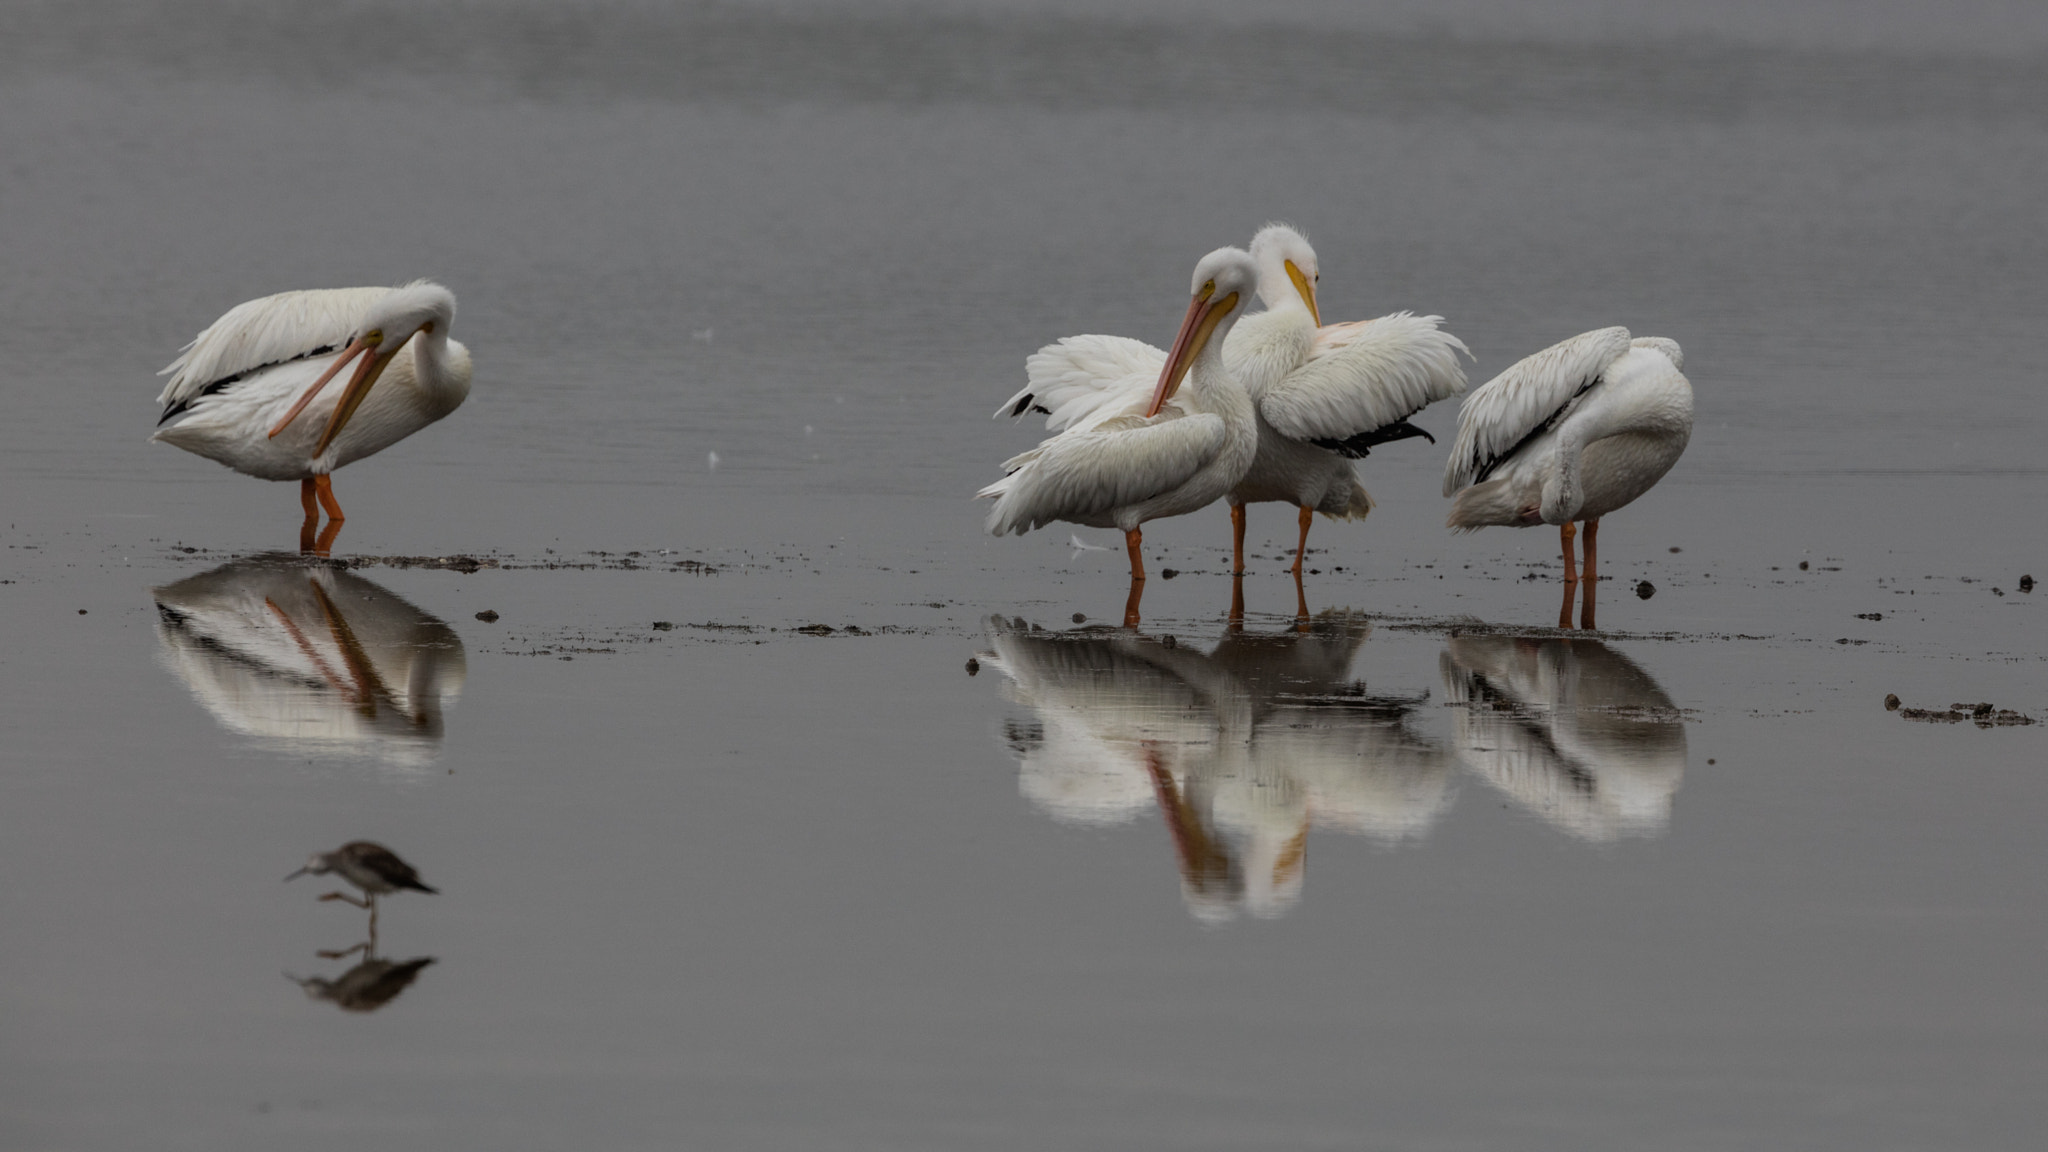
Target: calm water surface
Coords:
[[1417, 874]]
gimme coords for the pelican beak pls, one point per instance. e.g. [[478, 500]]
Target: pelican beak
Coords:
[[1307, 288], [359, 387], [1204, 313], [296, 875], [356, 348]]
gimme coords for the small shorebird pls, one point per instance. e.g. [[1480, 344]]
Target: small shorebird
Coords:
[[375, 869], [366, 987]]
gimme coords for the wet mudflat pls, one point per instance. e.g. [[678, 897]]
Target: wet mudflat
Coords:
[[1419, 872]]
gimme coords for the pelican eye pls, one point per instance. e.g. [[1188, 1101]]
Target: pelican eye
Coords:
[[373, 337]]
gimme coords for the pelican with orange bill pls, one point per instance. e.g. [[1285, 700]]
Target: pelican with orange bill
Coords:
[[238, 392], [1182, 449]]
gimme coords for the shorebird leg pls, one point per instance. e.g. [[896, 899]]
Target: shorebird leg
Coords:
[[1566, 531], [1308, 516], [338, 953], [1237, 539], [346, 899], [1592, 534], [1236, 604]]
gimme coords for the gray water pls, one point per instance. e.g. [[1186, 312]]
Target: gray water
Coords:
[[1420, 873]]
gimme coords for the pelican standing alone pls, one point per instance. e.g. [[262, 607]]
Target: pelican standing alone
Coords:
[[1572, 433], [252, 386], [1168, 455], [1322, 396]]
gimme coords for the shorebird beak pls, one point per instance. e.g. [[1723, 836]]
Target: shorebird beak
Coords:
[[296, 875], [1204, 313], [1307, 288], [352, 397]]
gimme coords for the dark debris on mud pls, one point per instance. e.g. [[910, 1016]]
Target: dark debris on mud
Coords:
[[1982, 714]]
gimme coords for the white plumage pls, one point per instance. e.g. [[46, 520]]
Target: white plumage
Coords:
[[1571, 433], [1323, 396], [1133, 457], [251, 391]]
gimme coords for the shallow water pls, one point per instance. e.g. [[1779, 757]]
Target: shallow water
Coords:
[[1421, 873]]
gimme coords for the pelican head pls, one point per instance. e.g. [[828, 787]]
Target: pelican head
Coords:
[[421, 306], [1224, 282], [1664, 344], [1287, 268]]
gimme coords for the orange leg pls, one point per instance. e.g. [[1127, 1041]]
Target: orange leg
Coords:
[[1308, 516], [1566, 532], [1236, 604], [1134, 540], [323, 486], [312, 520], [1300, 601], [1237, 539], [325, 543], [1592, 534]]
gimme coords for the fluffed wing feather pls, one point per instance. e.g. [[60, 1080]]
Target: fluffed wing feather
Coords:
[[1082, 380], [1078, 474], [261, 332], [1508, 409], [1366, 375]]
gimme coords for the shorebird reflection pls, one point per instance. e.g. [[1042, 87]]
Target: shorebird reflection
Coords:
[[368, 986], [1240, 749], [1569, 728], [312, 658]]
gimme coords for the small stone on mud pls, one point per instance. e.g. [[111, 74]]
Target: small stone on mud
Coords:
[[488, 616], [1870, 615], [1080, 618], [1891, 701], [1678, 549], [1167, 641], [1998, 591], [1168, 573], [1981, 710], [2026, 583], [816, 629], [189, 551], [1645, 589], [663, 625], [973, 666], [1802, 565], [81, 611], [1319, 572]]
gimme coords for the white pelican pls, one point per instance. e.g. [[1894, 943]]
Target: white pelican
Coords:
[[1571, 433], [1572, 730], [244, 384], [1142, 459], [1324, 395]]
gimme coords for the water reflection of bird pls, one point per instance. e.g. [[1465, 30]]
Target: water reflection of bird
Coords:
[[1323, 395], [1240, 749], [312, 658], [244, 383], [368, 986], [1569, 728], [1169, 453], [1569, 434]]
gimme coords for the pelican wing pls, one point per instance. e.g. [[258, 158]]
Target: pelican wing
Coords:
[[1521, 402], [1363, 380], [1083, 380], [258, 333], [1120, 462]]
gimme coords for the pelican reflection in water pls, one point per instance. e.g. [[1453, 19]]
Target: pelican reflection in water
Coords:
[[1568, 728], [1240, 749], [312, 658]]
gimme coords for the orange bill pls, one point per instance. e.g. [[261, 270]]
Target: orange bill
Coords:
[[354, 349], [1203, 315], [358, 388]]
